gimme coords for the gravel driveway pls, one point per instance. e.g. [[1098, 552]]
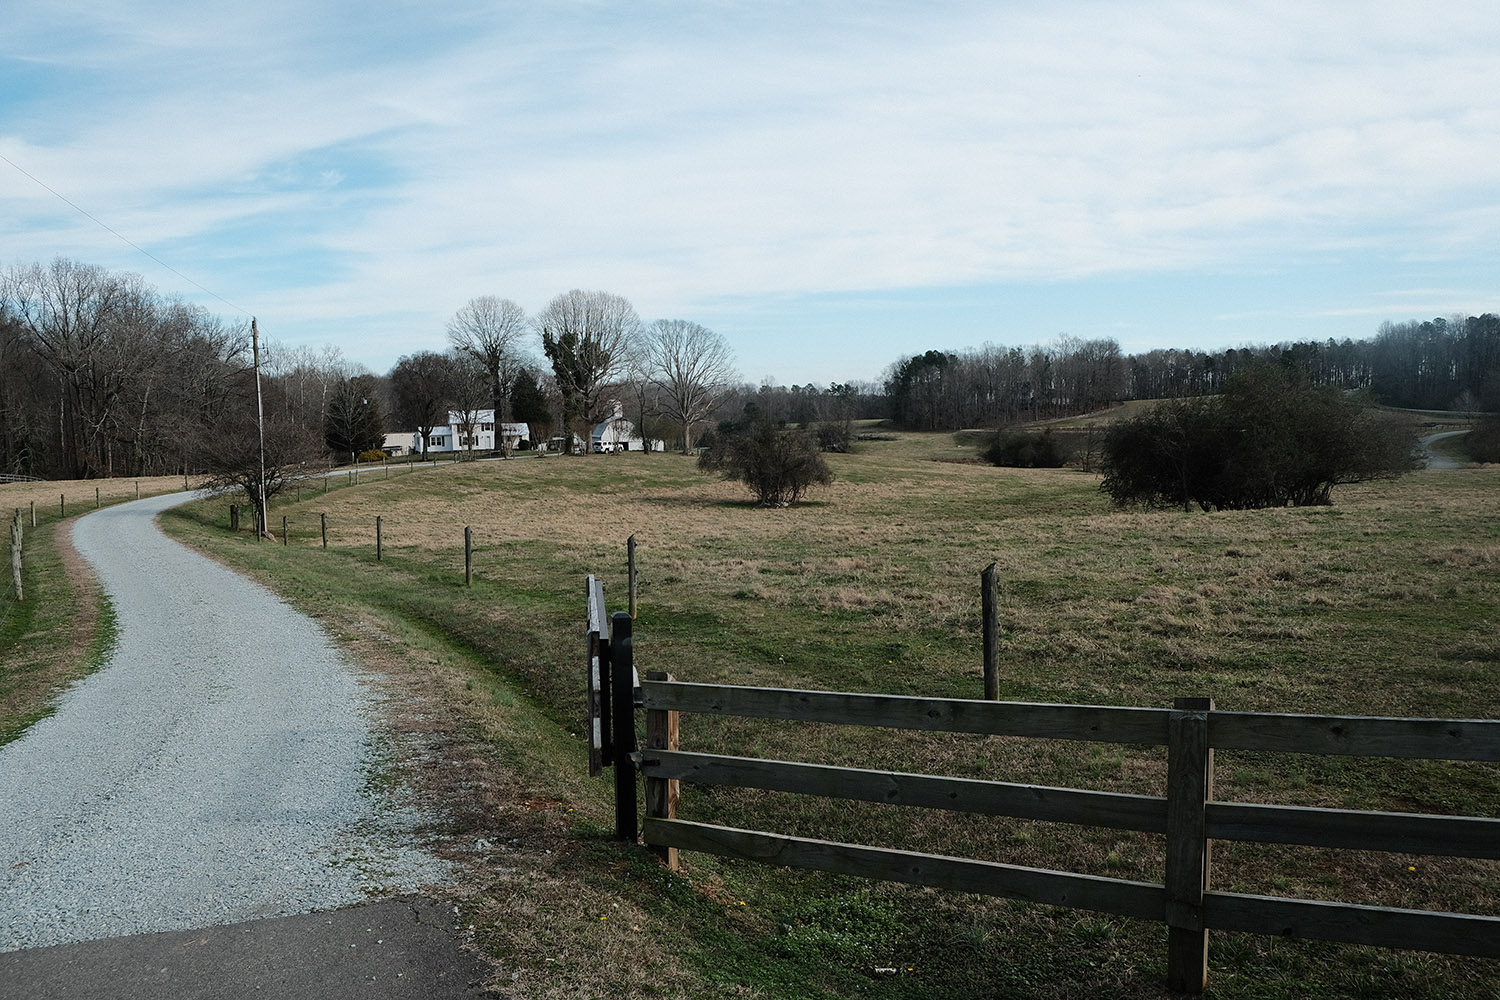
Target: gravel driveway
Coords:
[[217, 769]]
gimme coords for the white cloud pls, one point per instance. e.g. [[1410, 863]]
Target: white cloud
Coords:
[[684, 152]]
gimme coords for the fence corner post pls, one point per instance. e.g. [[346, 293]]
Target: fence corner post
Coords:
[[991, 617], [468, 557], [630, 571], [1190, 786], [622, 698], [661, 793]]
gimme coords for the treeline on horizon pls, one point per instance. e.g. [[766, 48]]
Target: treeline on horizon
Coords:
[[102, 375], [1440, 364]]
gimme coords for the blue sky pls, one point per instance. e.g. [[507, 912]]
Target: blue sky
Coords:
[[831, 186]]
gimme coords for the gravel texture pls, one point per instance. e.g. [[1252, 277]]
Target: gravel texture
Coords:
[[220, 767]]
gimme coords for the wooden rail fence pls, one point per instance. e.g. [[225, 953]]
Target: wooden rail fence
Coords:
[[1186, 815]]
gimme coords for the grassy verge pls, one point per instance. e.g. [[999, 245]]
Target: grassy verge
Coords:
[[1383, 604]]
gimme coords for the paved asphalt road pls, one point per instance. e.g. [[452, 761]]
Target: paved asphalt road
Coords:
[[397, 949]]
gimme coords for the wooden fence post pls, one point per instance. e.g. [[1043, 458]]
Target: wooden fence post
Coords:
[[630, 570], [323, 528], [234, 517], [283, 529], [33, 513], [661, 793], [621, 654], [991, 615], [62, 505], [1190, 785], [377, 539], [137, 489], [468, 556], [15, 555], [96, 498]]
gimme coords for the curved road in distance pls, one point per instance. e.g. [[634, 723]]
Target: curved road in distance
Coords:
[[1436, 460], [216, 769]]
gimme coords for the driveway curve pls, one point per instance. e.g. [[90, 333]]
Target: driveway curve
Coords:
[[1437, 460], [218, 768]]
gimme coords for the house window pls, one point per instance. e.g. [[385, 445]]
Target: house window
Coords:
[[437, 441], [486, 427]]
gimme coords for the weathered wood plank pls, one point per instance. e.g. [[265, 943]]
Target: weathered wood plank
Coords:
[[994, 798], [1104, 724], [593, 704], [1405, 833], [1089, 892], [1190, 784], [593, 589], [1383, 927], [1357, 736], [661, 791], [990, 617], [622, 667]]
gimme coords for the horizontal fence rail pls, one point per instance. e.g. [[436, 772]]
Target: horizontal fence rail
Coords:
[[949, 715], [1145, 813], [1384, 927], [1348, 829], [1357, 736], [1037, 885]]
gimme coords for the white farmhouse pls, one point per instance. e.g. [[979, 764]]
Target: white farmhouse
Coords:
[[455, 437]]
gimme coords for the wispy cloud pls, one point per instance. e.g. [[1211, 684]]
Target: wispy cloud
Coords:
[[682, 153]]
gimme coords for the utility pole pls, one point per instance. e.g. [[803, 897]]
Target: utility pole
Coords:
[[260, 421]]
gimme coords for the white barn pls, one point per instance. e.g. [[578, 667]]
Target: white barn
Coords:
[[615, 433]]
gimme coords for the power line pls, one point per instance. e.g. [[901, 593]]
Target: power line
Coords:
[[115, 233]]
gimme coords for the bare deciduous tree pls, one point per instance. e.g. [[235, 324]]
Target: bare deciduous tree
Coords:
[[423, 386], [493, 332], [588, 337], [692, 366], [471, 390], [229, 450]]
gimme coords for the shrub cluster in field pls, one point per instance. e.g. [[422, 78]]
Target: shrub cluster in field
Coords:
[[1271, 440], [778, 463], [1483, 442], [1027, 450]]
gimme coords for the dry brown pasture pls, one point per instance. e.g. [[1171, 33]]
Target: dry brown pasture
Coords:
[[1382, 604]]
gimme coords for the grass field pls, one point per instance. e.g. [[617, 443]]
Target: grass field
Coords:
[[1385, 603]]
